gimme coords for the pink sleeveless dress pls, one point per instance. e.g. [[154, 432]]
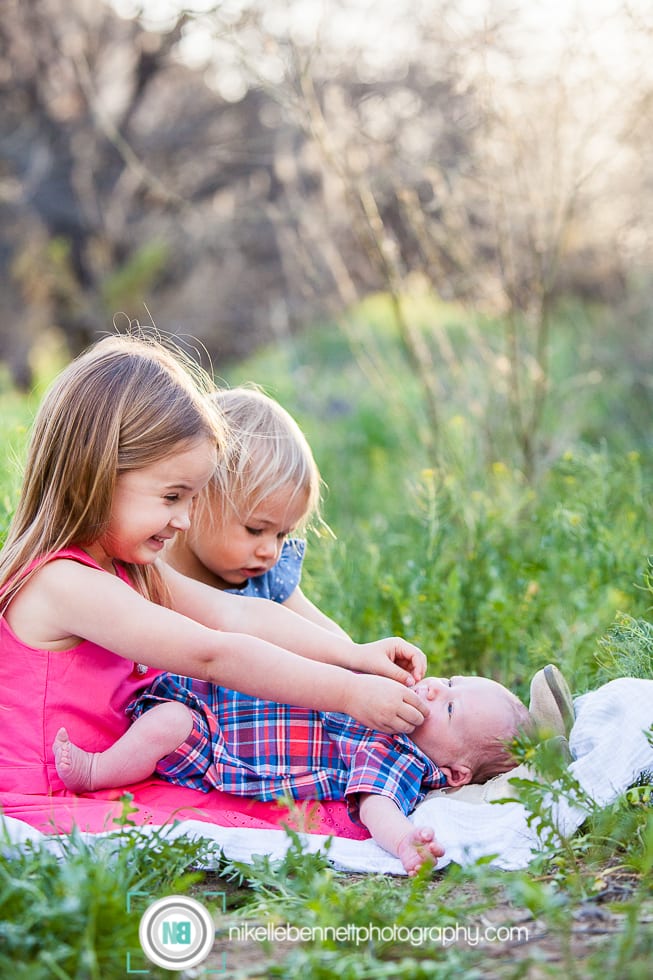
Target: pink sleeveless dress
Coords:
[[86, 689]]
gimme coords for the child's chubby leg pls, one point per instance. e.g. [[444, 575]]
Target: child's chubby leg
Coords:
[[131, 758]]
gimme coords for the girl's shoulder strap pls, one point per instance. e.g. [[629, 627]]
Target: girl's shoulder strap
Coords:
[[71, 552], [77, 554]]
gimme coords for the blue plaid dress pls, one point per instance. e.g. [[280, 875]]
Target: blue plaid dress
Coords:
[[252, 747]]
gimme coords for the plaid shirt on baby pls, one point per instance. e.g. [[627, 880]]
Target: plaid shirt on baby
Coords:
[[251, 747]]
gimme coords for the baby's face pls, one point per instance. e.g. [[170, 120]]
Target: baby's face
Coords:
[[461, 710]]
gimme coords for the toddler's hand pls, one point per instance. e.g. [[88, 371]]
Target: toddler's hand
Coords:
[[418, 847], [392, 657], [382, 704]]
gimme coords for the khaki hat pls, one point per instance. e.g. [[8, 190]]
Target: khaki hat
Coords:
[[552, 709], [552, 706]]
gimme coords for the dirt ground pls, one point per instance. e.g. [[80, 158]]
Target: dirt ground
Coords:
[[540, 952]]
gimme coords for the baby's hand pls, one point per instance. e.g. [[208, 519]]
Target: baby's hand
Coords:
[[392, 657], [418, 847], [384, 705]]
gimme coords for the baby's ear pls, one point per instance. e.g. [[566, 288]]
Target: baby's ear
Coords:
[[457, 775]]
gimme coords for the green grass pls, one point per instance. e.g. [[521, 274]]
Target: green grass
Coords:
[[489, 573], [76, 913]]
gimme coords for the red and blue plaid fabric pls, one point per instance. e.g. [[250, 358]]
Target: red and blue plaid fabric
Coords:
[[259, 748]]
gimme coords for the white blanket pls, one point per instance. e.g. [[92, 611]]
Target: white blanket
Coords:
[[610, 748]]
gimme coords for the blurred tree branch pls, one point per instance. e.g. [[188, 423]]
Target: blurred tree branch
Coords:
[[289, 172]]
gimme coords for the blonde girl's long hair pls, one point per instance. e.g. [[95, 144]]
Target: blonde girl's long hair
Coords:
[[125, 403], [267, 452]]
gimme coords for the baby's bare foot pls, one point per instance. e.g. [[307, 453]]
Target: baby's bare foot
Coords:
[[74, 765]]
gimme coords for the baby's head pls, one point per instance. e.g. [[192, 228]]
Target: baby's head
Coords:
[[471, 722], [267, 457]]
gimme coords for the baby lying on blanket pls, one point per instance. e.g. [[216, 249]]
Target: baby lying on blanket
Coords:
[[205, 736]]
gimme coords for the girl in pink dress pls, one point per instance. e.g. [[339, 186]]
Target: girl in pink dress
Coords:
[[89, 613]]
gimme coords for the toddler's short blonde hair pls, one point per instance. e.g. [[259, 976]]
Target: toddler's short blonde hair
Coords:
[[266, 452]]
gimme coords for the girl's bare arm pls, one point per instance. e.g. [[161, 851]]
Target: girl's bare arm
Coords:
[[392, 656], [67, 601], [298, 602]]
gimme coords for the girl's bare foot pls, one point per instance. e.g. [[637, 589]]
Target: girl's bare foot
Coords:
[[74, 765]]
